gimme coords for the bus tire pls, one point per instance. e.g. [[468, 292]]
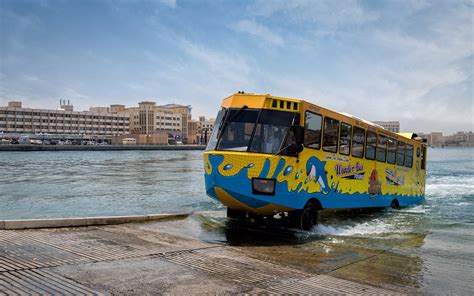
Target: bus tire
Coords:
[[236, 214], [395, 205], [306, 218]]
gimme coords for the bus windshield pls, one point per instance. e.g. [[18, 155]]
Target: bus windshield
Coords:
[[252, 130]]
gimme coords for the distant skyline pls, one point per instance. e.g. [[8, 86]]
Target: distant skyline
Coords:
[[411, 61]]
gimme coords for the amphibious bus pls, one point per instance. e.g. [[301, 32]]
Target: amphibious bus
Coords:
[[271, 155]]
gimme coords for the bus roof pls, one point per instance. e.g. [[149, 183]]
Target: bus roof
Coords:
[[252, 100]]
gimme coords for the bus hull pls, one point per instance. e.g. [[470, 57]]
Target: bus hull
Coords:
[[335, 182]]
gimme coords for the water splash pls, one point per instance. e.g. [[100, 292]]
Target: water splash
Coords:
[[374, 227]]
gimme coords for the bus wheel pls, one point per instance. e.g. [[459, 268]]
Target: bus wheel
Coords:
[[305, 219], [395, 205], [236, 214]]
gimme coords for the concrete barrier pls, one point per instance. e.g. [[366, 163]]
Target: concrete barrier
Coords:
[[85, 221]]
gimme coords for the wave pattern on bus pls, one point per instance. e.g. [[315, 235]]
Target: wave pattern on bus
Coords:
[[230, 175]]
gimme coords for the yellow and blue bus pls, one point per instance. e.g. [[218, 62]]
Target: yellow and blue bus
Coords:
[[269, 155]]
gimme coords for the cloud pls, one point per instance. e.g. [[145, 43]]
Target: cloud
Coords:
[[169, 3], [327, 13], [260, 31]]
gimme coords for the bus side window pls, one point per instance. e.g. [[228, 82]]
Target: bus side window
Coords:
[[345, 139], [330, 134], [423, 157], [358, 142], [392, 151], [400, 153], [312, 135], [371, 144], [409, 156], [381, 148]]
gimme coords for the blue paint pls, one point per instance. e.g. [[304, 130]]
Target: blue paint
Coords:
[[279, 168], [265, 169], [227, 167]]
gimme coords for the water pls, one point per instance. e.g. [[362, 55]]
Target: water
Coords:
[[428, 247], [74, 184]]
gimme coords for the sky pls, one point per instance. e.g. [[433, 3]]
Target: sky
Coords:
[[403, 60]]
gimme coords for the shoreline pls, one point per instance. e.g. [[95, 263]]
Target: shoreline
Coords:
[[27, 148]]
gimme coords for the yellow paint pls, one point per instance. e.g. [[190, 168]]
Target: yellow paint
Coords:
[[229, 201]]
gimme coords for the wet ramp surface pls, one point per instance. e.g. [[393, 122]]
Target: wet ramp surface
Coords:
[[139, 259]]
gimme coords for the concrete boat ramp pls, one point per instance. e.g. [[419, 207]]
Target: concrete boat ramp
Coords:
[[199, 254]]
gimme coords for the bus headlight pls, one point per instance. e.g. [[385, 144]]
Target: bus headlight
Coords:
[[263, 186]]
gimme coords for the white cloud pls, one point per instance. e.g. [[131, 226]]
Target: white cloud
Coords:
[[169, 3], [328, 13], [258, 30]]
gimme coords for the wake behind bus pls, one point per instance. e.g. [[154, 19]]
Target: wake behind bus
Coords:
[[271, 155]]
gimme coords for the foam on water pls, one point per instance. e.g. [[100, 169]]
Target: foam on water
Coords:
[[370, 228], [419, 209]]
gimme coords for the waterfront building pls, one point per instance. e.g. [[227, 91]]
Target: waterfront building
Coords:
[[18, 120], [436, 139], [149, 118], [393, 126], [200, 130]]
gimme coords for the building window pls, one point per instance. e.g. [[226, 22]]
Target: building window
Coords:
[[345, 139], [371, 144], [330, 134], [312, 135]]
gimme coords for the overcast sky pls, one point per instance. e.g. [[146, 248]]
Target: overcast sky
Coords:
[[381, 60]]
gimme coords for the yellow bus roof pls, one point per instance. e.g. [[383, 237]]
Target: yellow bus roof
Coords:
[[257, 101]]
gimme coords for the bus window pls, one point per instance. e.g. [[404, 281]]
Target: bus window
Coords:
[[238, 131], [423, 158], [409, 156], [211, 145], [400, 153], [381, 148], [312, 134], [392, 151], [271, 131], [330, 134], [358, 141], [345, 139], [371, 143]]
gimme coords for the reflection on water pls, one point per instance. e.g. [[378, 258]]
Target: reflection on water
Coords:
[[352, 247]]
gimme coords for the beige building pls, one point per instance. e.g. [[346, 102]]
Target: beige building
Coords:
[[393, 126], [149, 118], [16, 119], [200, 130], [458, 139]]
